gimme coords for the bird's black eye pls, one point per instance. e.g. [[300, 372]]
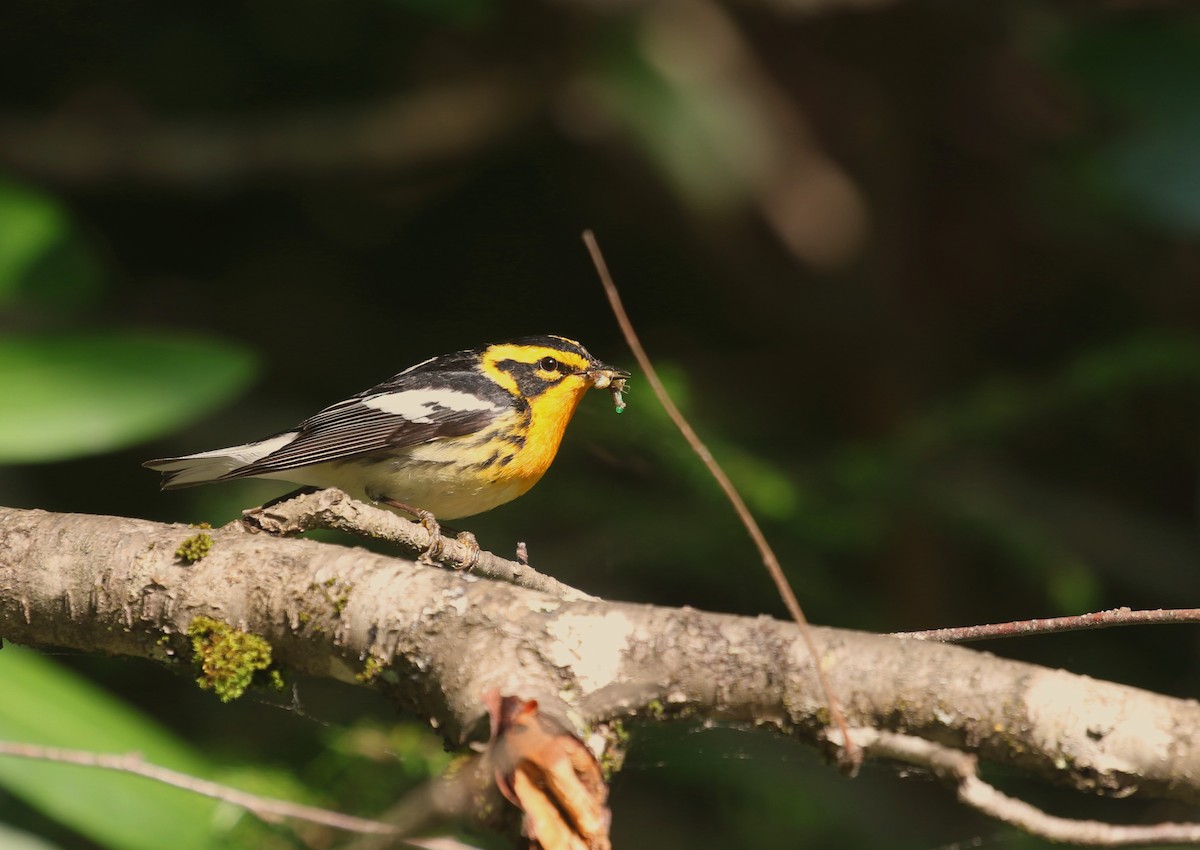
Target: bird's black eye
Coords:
[[549, 364]]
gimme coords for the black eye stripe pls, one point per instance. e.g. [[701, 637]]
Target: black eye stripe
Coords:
[[533, 377]]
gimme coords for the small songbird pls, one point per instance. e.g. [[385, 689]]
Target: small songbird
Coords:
[[450, 437]]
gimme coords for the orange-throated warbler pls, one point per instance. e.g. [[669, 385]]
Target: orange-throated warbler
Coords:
[[450, 437]]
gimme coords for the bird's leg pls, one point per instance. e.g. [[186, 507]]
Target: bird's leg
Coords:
[[433, 552]]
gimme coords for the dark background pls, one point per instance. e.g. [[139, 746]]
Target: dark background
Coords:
[[925, 274]]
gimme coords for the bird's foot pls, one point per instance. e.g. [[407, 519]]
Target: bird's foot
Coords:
[[468, 540], [433, 552]]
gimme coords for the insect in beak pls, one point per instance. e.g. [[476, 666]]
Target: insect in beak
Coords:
[[613, 380]]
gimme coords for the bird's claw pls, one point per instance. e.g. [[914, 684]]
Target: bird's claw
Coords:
[[468, 540], [432, 555]]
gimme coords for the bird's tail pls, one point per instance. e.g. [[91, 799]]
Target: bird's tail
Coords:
[[215, 465]]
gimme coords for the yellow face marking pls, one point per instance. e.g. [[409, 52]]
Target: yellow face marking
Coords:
[[554, 382], [490, 365], [496, 355]]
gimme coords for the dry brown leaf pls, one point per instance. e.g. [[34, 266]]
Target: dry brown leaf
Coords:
[[549, 774]]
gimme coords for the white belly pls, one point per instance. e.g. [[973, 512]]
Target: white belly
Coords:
[[431, 487]]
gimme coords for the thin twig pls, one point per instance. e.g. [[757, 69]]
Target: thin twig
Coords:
[[265, 808], [960, 771], [849, 755], [1051, 625]]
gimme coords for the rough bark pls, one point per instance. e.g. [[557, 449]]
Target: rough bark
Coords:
[[437, 640]]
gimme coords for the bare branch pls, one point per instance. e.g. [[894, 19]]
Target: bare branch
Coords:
[[436, 125], [960, 771], [333, 509], [262, 807], [435, 640], [439, 798], [1051, 625]]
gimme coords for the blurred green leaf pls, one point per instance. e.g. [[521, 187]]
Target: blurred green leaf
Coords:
[[11, 839], [42, 257], [1002, 406], [1074, 586], [1147, 73], [768, 491], [47, 704], [32, 225], [367, 766], [71, 395], [1150, 359]]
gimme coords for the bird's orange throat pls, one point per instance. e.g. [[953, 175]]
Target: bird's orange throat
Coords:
[[550, 416]]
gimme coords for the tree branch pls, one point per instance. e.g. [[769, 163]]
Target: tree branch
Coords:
[[333, 509], [265, 808], [438, 125], [436, 640], [959, 770]]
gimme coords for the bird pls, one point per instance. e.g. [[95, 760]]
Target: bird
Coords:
[[450, 437]]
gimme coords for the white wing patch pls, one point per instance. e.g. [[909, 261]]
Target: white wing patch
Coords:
[[419, 405]]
